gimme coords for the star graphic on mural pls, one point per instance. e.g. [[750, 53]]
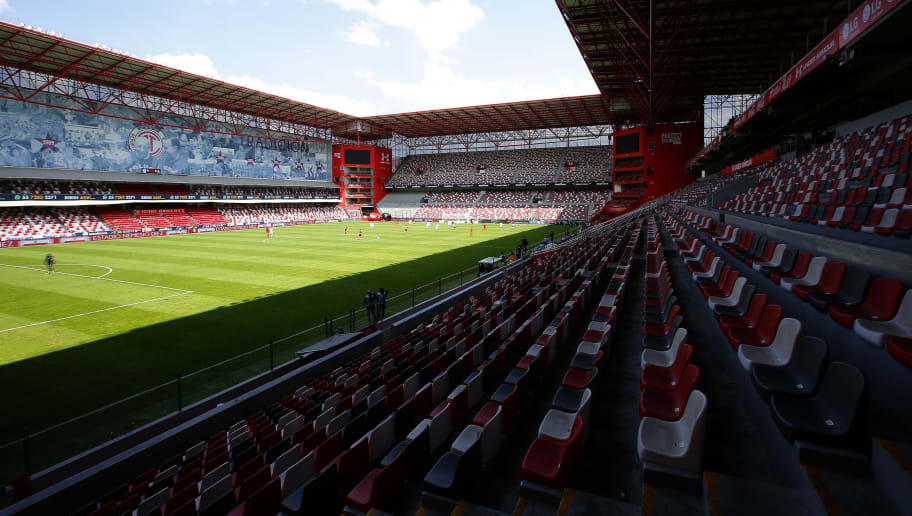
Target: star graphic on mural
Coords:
[[49, 143]]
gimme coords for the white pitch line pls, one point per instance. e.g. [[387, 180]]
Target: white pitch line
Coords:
[[99, 277], [96, 311], [110, 270], [180, 292]]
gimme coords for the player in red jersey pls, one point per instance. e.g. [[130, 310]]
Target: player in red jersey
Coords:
[[359, 233], [346, 229]]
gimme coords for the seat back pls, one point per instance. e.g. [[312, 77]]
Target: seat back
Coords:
[[215, 492], [299, 474], [831, 279], [841, 392], [786, 335], [382, 438], [695, 410]]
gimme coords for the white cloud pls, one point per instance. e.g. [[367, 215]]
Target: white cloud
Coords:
[[442, 87], [4, 5], [201, 64], [436, 24], [363, 34], [333, 101]]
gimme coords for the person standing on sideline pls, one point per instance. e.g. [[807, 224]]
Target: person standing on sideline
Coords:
[[381, 304], [49, 261], [501, 226], [359, 233], [437, 226], [369, 305], [484, 227], [406, 229], [471, 230]]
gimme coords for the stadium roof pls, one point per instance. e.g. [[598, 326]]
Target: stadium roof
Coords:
[[665, 55], [511, 116], [36, 51], [653, 61]]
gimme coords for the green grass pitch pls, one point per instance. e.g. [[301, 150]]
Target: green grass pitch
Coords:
[[122, 316]]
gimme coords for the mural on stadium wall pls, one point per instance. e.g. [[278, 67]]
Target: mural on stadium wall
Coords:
[[33, 135]]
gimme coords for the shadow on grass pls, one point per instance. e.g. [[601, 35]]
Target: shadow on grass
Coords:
[[53, 388]]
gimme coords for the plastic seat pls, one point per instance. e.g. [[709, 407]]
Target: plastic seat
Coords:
[[740, 307], [218, 498], [679, 444], [352, 464], [549, 461], [455, 471], [810, 278], [900, 349], [776, 354], [380, 488], [774, 259], [666, 378], [266, 501], [830, 282], [669, 405], [722, 287], [663, 342], [664, 358], [900, 325], [851, 292], [749, 320], [299, 474], [797, 270], [903, 227], [833, 416], [785, 264], [664, 327], [799, 377], [879, 305]]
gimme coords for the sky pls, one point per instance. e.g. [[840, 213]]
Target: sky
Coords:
[[360, 57]]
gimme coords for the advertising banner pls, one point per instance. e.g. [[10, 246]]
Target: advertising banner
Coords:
[[866, 15], [153, 233], [759, 159], [121, 197]]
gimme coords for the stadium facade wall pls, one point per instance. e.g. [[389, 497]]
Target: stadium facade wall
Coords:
[[39, 134]]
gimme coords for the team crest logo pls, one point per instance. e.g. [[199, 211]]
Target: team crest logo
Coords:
[[147, 139]]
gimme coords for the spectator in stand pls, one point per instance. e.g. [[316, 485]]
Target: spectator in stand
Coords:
[[369, 306]]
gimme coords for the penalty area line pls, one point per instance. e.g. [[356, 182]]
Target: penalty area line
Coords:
[[179, 292], [96, 311]]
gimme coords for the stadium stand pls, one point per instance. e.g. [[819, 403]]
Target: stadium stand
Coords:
[[741, 344], [583, 165], [25, 223], [512, 205], [858, 182]]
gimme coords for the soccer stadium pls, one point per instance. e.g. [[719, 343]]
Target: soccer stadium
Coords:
[[687, 293]]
